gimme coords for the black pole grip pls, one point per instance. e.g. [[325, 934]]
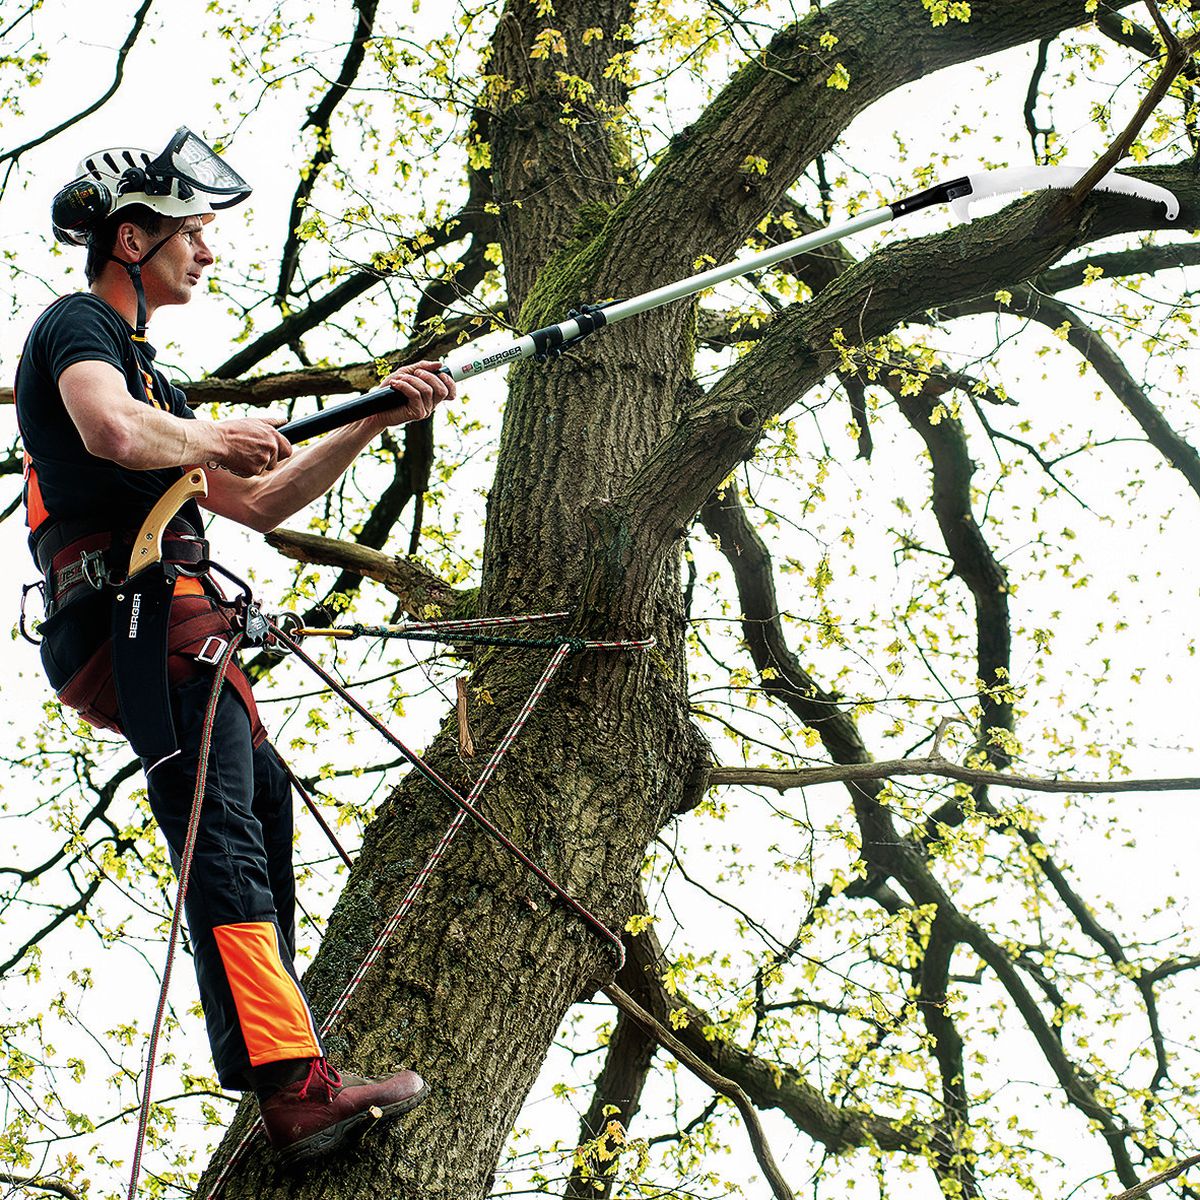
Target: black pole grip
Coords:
[[336, 415]]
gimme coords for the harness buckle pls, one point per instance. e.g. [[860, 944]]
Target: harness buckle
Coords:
[[210, 653]]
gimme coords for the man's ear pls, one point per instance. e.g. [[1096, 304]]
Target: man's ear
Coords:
[[130, 242]]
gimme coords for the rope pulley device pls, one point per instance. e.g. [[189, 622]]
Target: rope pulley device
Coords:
[[959, 193]]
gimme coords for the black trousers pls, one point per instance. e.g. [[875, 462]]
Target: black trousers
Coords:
[[241, 896]]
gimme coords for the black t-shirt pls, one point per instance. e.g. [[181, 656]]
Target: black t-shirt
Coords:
[[92, 494], [77, 486]]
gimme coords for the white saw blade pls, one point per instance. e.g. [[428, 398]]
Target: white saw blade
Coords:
[[1012, 180]]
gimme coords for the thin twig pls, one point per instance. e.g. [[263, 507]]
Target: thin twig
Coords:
[[138, 21], [27, 13], [719, 1083]]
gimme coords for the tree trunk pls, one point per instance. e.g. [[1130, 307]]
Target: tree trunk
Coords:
[[478, 981]]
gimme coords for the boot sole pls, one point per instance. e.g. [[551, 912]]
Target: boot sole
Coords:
[[327, 1141]]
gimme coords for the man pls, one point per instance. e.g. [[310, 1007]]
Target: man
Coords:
[[105, 436]]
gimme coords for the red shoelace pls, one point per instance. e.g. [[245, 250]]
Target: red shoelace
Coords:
[[321, 1072]]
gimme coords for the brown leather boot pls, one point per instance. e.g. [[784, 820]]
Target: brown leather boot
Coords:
[[314, 1116]]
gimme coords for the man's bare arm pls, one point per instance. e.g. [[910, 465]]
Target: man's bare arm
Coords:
[[115, 426]]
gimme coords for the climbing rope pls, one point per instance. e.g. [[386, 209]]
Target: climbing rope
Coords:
[[454, 631], [311, 805], [451, 793]]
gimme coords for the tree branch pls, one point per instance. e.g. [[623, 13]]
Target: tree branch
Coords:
[[955, 1161], [467, 223], [866, 301], [1144, 260], [139, 19], [1178, 54], [1144, 1188], [771, 1085], [319, 119], [30, 9], [1113, 371], [297, 324], [974, 563], [56, 1186], [60, 917], [939, 767], [417, 588], [758, 1139], [783, 677], [1031, 99], [703, 190], [1136, 37], [631, 1050]]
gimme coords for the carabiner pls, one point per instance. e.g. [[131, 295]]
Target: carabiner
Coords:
[[40, 585]]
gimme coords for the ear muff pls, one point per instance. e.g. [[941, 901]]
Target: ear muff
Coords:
[[78, 209]]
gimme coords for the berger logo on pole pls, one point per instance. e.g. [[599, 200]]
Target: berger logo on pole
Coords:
[[478, 365]]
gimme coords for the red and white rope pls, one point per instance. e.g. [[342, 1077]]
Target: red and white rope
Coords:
[[466, 807], [414, 889], [483, 622]]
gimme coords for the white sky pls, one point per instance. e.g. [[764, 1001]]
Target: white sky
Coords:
[[169, 83]]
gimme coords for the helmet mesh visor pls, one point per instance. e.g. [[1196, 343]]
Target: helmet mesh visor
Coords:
[[204, 168]]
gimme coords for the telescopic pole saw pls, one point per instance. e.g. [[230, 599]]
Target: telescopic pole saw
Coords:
[[960, 193]]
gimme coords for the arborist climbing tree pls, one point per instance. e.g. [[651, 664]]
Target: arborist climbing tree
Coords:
[[862, 502], [106, 436]]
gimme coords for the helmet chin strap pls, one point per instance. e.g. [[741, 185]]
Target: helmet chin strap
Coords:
[[134, 271]]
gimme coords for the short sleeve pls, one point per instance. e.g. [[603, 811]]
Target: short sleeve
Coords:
[[81, 329], [179, 404]]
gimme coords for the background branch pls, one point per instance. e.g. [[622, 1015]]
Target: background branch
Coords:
[[782, 780]]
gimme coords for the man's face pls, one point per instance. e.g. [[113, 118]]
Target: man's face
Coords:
[[171, 275]]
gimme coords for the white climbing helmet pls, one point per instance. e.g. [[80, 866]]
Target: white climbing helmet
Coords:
[[188, 178]]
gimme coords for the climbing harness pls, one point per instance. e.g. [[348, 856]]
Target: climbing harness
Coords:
[[485, 355], [251, 627]]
